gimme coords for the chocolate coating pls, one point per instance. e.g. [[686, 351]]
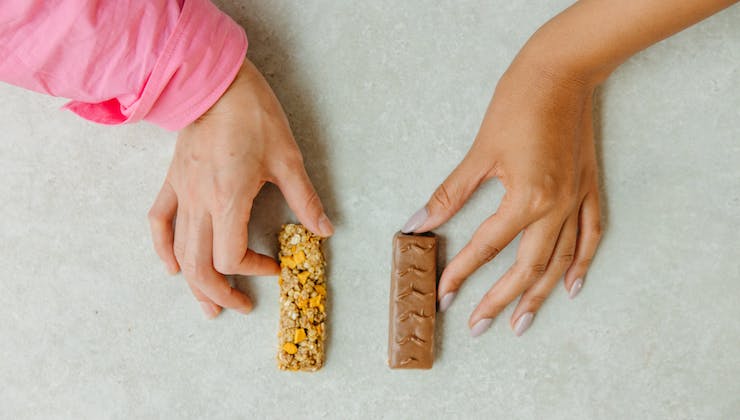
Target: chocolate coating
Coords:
[[413, 301]]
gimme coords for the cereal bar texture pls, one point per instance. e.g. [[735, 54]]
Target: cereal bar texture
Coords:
[[302, 300], [412, 301]]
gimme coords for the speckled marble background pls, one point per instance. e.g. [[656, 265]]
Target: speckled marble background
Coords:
[[92, 327]]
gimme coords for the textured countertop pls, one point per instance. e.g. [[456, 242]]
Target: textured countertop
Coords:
[[384, 98]]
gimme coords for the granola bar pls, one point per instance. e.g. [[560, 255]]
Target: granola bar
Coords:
[[302, 300]]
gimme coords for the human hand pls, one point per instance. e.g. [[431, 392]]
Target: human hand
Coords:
[[537, 139], [221, 161]]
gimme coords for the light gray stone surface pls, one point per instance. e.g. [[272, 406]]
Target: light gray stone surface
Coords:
[[384, 98]]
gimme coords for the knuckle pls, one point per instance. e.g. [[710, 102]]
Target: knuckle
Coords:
[[154, 216], [531, 271], [179, 250], [585, 262], [565, 259], [442, 197], [225, 265], [250, 259], [189, 268], [596, 230], [226, 295], [536, 300], [222, 200], [540, 200], [485, 252], [202, 272], [538, 269], [546, 194], [220, 205], [198, 272]]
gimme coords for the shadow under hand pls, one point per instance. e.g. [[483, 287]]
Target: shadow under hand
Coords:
[[276, 60], [440, 317], [598, 118]]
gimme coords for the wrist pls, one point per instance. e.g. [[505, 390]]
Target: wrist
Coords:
[[581, 43], [537, 84], [569, 66]]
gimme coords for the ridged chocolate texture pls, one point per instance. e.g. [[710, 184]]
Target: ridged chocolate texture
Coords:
[[413, 301]]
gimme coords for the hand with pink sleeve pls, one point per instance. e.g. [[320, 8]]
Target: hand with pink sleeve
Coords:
[[221, 161], [179, 64]]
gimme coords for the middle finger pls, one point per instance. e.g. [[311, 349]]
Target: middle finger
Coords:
[[199, 271], [535, 296]]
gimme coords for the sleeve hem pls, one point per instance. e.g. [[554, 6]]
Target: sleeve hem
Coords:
[[198, 63], [198, 106]]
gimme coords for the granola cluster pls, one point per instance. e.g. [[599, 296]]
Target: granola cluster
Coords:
[[302, 300]]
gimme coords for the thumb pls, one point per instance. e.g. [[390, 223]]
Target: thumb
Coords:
[[303, 200], [449, 197]]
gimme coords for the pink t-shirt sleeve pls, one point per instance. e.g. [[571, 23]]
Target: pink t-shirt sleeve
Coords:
[[164, 61]]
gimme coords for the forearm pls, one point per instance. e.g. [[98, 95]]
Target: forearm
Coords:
[[593, 37]]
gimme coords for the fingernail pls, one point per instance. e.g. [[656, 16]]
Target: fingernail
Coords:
[[325, 226], [244, 310], [171, 269], [209, 309], [576, 288], [481, 326], [446, 301], [523, 323], [416, 221]]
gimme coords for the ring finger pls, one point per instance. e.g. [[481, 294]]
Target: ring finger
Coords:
[[535, 296]]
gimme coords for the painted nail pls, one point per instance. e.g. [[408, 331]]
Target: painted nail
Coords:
[[325, 227], [446, 301], [576, 288], [416, 221], [209, 309], [481, 326], [523, 323]]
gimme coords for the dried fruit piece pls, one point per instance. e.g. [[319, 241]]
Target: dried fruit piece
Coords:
[[287, 261], [290, 348], [300, 335], [303, 276]]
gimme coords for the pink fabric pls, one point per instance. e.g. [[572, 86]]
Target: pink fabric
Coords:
[[165, 61]]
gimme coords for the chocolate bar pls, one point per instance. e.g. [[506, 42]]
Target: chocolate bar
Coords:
[[413, 301]]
